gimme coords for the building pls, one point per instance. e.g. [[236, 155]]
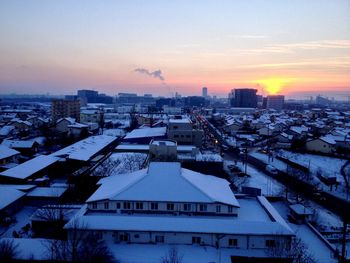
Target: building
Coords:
[[167, 204], [65, 108], [92, 96], [205, 92], [275, 102], [244, 98], [181, 130]]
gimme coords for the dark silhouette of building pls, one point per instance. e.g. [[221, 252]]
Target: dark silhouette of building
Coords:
[[244, 98]]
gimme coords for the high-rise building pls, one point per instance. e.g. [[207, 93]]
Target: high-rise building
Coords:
[[65, 108], [204, 92], [244, 98], [275, 102]]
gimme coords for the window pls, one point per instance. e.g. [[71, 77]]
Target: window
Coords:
[[218, 209], [188, 136], [232, 242], [196, 240], [270, 243], [139, 205], [124, 237], [118, 205], [203, 208], [160, 239], [127, 205], [154, 206], [170, 206], [94, 206], [136, 236], [176, 136], [176, 127], [187, 207], [230, 209], [106, 205]]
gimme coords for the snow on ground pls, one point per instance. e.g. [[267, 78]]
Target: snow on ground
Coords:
[[268, 186], [328, 165], [316, 247], [30, 249], [282, 166], [22, 218]]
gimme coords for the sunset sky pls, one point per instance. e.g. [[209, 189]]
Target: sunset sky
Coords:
[[296, 48]]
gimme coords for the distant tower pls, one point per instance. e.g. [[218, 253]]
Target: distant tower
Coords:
[[204, 92]]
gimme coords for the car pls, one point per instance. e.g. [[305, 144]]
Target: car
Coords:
[[271, 169]]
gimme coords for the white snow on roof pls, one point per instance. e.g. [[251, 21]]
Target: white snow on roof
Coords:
[[300, 209], [146, 132], [328, 139], [299, 129], [275, 216], [30, 167], [6, 152], [9, 195], [18, 144], [47, 192], [178, 224], [85, 149], [183, 120], [162, 181], [4, 131]]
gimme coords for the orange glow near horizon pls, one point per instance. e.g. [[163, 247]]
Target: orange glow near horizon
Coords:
[[274, 85]]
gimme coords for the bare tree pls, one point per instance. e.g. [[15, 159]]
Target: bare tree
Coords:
[[107, 168], [296, 251], [81, 246], [8, 250], [172, 256]]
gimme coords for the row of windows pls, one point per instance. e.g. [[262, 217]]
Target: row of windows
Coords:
[[182, 136], [232, 242], [154, 206]]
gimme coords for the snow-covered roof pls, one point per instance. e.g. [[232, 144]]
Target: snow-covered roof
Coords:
[[30, 167], [78, 125], [4, 131], [69, 119], [6, 152], [183, 120], [47, 192], [168, 182], [300, 209], [9, 195], [18, 143], [85, 149], [182, 224], [146, 132], [299, 129]]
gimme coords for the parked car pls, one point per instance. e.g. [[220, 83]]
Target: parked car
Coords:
[[271, 169]]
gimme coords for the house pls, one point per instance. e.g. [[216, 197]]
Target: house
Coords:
[[7, 131], [182, 130], [24, 147], [11, 201], [21, 125], [145, 135], [8, 155], [167, 204], [324, 144], [32, 169], [63, 123], [78, 129]]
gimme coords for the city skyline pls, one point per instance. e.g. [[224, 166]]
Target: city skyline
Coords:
[[294, 48]]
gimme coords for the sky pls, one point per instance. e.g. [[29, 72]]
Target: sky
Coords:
[[292, 47]]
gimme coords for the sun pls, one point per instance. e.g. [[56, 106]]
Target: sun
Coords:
[[274, 85]]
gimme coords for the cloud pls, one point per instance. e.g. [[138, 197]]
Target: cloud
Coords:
[[157, 74]]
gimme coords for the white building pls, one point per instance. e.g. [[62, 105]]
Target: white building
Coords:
[[167, 204]]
